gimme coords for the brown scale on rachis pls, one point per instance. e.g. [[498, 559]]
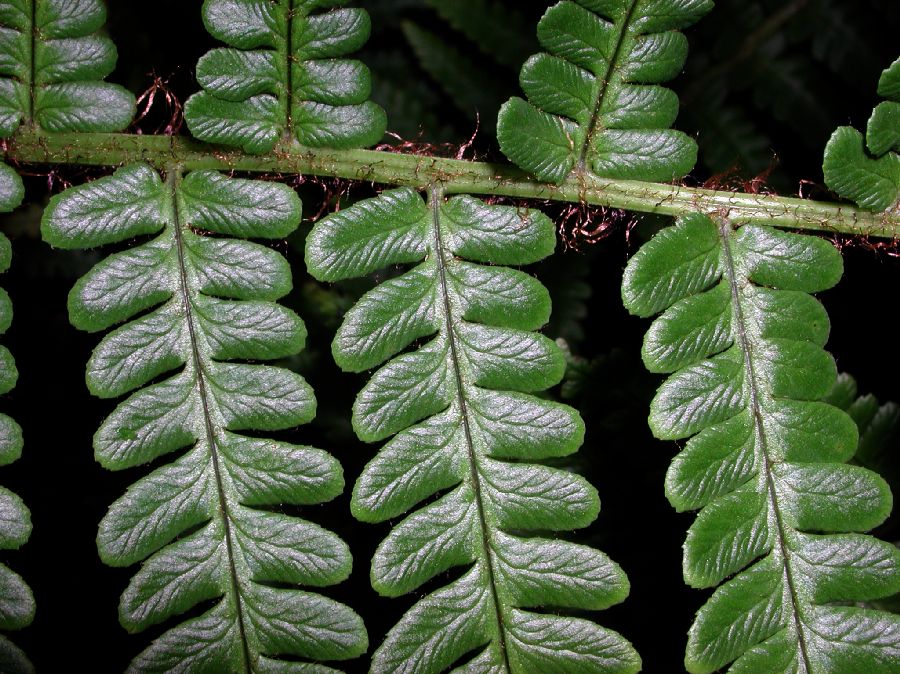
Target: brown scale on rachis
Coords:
[[159, 90], [889, 247], [581, 225], [420, 148]]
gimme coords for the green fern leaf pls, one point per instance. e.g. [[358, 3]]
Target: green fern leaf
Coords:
[[282, 76], [13, 659], [16, 600], [889, 82], [870, 178], [204, 523], [877, 423], [465, 428], [11, 194], [51, 64], [778, 507], [873, 183], [883, 130], [594, 101]]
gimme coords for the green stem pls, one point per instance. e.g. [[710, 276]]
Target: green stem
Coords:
[[457, 177]]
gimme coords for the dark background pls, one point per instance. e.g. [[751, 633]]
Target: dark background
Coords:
[[765, 85]]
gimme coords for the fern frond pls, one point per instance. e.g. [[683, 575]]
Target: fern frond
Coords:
[[765, 463], [12, 191], [206, 524], [867, 171], [498, 32], [415, 104], [878, 426], [51, 64], [732, 138], [784, 85], [467, 83], [283, 75], [594, 101], [465, 430], [841, 40], [16, 600], [567, 280]]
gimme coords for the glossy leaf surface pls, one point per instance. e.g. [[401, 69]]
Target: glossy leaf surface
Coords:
[[205, 524], [781, 513], [51, 68], [594, 100], [867, 170], [465, 438], [878, 424], [284, 74], [17, 605]]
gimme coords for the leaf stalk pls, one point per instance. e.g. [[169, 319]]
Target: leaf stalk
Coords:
[[457, 177]]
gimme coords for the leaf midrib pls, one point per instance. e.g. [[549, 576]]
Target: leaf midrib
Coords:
[[172, 181], [289, 70], [743, 342], [32, 68], [435, 199], [604, 86]]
